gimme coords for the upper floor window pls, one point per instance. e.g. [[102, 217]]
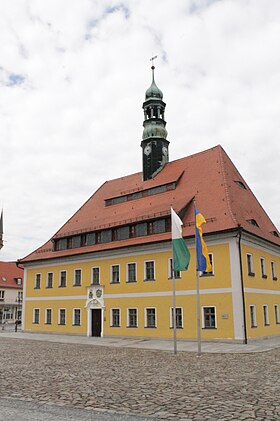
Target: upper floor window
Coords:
[[95, 276], [149, 270], [2, 295], [263, 269], [115, 274], [177, 273], [211, 258], [131, 272], [77, 277], [250, 265], [62, 279], [37, 281], [273, 271], [49, 280], [209, 318]]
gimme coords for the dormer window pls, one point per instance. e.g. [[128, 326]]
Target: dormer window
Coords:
[[253, 222], [241, 184], [19, 281], [275, 233]]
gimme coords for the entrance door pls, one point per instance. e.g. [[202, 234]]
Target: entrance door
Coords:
[[96, 322]]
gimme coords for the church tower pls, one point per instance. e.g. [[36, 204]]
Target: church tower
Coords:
[[154, 143]]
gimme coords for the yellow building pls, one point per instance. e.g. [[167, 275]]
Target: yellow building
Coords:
[[108, 270]]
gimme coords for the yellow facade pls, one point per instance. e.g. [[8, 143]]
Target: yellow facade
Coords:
[[218, 291]]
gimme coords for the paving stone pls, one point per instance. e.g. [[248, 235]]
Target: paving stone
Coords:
[[148, 383]]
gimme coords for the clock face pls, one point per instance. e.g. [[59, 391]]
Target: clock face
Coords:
[[164, 150], [147, 150]]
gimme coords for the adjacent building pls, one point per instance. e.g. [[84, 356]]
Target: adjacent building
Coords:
[[11, 292], [108, 270]]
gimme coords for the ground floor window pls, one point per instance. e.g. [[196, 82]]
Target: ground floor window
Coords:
[[115, 317], [209, 318], [76, 317], [179, 317], [253, 317], [265, 315], [36, 316], [150, 317], [48, 320], [62, 316], [132, 317]]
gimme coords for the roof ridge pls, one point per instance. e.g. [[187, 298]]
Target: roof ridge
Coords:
[[221, 150]]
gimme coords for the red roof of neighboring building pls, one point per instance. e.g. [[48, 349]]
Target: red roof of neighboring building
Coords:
[[9, 273], [222, 196]]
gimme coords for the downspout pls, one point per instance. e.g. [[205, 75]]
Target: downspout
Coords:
[[242, 285]]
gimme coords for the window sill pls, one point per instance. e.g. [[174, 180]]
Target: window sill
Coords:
[[264, 276], [267, 324], [77, 285], [149, 280], [132, 327], [112, 283], [61, 286], [254, 327], [37, 287], [176, 277], [177, 327], [131, 282], [114, 326], [61, 324], [48, 287], [206, 275], [274, 278], [76, 325], [209, 328], [94, 284], [35, 323], [251, 274], [150, 327], [47, 324]]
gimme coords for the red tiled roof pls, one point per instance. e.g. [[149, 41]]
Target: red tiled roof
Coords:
[[9, 272], [210, 176]]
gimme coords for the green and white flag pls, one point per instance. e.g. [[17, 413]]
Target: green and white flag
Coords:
[[181, 254]]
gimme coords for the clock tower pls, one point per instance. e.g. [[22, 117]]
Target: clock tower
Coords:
[[154, 143]]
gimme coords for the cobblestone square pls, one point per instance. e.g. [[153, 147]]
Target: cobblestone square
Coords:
[[146, 383]]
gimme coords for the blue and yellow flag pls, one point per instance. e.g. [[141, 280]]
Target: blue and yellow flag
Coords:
[[202, 256]]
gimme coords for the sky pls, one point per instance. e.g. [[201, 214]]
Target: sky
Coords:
[[73, 76]]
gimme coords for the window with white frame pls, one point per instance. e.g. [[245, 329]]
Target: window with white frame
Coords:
[[179, 317], [62, 316], [273, 271], [276, 313], [211, 258], [253, 316], [37, 281], [115, 274], [36, 316], [177, 273], [48, 319], [76, 316], [77, 277], [250, 265], [2, 295], [131, 272], [95, 276], [49, 280], [149, 270], [115, 317], [265, 315], [209, 318], [62, 279], [132, 317], [263, 268], [150, 317]]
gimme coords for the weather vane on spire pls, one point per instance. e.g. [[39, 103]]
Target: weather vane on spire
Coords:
[[152, 60]]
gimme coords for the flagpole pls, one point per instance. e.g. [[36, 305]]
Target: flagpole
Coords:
[[197, 293], [174, 306]]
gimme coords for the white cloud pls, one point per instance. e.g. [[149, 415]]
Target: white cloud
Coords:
[[72, 80]]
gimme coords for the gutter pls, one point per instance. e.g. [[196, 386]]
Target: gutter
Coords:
[[242, 285]]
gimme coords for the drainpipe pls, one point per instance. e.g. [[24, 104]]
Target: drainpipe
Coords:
[[242, 285]]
